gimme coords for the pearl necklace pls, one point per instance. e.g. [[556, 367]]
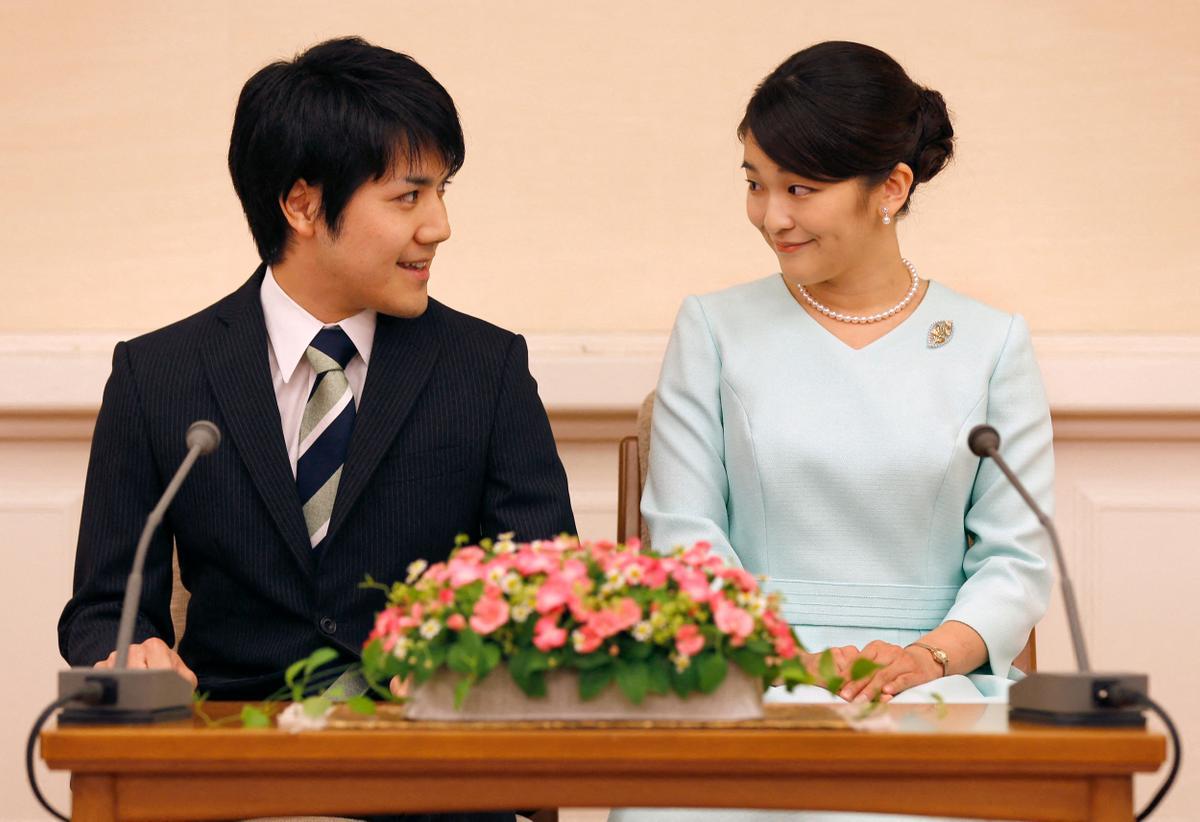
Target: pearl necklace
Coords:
[[872, 318]]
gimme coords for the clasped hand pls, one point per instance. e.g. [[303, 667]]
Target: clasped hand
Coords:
[[153, 653], [900, 669]]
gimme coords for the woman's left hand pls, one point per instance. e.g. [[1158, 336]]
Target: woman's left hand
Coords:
[[903, 668]]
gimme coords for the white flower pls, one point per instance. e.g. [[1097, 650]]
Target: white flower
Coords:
[[612, 574], [495, 574], [431, 628], [643, 631], [400, 649], [634, 574], [681, 662], [415, 569], [511, 583], [293, 719], [521, 612], [758, 605], [504, 544]]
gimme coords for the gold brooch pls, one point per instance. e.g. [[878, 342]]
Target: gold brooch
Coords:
[[940, 333]]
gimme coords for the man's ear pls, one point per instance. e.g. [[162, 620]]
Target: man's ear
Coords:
[[302, 208], [893, 191]]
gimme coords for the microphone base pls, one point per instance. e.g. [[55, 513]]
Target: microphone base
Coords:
[[131, 697], [1080, 699]]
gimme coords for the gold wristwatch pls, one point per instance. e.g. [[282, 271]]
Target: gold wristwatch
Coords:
[[939, 656]]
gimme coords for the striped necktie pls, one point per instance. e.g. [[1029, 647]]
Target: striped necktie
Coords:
[[325, 429]]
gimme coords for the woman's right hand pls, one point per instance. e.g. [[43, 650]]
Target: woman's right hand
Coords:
[[843, 660]]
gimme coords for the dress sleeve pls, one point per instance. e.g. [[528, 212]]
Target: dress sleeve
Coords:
[[1007, 568], [687, 489]]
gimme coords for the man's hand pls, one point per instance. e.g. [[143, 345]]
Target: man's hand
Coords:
[[153, 653]]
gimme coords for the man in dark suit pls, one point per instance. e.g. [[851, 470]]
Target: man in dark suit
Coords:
[[365, 425]]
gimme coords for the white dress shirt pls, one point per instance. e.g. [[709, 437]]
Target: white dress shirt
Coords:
[[290, 330]]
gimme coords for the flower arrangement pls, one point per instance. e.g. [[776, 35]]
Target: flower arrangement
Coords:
[[652, 623]]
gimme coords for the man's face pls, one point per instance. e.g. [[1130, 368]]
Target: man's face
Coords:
[[383, 252]]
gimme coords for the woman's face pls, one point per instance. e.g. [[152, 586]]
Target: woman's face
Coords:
[[818, 231]]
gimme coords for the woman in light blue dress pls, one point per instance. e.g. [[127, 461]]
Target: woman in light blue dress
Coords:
[[812, 424]]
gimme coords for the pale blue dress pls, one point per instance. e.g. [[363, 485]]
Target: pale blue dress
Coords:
[[844, 476]]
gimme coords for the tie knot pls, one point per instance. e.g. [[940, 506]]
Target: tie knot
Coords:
[[331, 349]]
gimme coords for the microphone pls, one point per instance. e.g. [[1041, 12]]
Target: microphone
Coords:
[[139, 695], [1084, 698]]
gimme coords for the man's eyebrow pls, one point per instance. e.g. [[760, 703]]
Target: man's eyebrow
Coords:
[[748, 166], [419, 181]]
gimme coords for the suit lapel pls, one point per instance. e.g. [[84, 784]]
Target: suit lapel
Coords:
[[238, 370], [402, 358]]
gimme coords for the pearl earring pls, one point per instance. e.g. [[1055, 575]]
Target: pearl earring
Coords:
[[887, 220]]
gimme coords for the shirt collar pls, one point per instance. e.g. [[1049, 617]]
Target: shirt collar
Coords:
[[290, 328]]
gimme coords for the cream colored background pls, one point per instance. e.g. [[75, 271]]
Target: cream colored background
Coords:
[[601, 183], [601, 186]]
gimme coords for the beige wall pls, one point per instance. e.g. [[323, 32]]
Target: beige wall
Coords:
[[601, 183]]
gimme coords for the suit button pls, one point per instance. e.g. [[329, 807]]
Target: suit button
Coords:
[[328, 625]]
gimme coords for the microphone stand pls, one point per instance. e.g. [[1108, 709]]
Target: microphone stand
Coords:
[[124, 695], [1084, 698]]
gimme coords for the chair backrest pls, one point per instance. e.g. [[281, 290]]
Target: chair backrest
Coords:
[[632, 457], [179, 599]]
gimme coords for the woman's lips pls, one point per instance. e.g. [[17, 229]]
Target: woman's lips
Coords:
[[787, 248]]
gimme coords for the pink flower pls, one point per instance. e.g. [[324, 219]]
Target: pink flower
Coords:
[[547, 635], [732, 620], [688, 640], [785, 646], [446, 596], [697, 554], [529, 562], [629, 613], [464, 572], [489, 614], [586, 640], [553, 594], [741, 578], [692, 582], [456, 622], [438, 572], [574, 570]]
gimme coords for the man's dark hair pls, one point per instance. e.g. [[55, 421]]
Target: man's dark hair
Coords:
[[336, 116], [838, 110]]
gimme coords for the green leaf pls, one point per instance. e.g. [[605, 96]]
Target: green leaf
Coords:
[[711, 670], [760, 647], [749, 661], [253, 717], [488, 659], [659, 670], [361, 704], [586, 662], [317, 658], [633, 677], [863, 668], [460, 692], [793, 673], [293, 671], [686, 681], [834, 685], [595, 680], [827, 669], [316, 706]]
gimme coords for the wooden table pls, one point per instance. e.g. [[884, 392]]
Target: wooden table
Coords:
[[966, 761]]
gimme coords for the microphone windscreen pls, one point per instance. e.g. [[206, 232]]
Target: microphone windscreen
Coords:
[[983, 440], [204, 435]]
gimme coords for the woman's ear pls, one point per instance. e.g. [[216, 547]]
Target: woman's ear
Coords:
[[893, 192], [302, 208]]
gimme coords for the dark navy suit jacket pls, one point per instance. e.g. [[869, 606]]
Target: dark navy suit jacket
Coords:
[[450, 438]]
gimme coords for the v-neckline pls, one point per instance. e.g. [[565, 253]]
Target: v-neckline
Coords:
[[875, 343]]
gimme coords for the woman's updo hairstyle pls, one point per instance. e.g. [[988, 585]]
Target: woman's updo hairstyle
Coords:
[[836, 111]]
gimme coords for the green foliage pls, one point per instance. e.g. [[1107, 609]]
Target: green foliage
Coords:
[[711, 669], [254, 717], [863, 668], [595, 680], [633, 677]]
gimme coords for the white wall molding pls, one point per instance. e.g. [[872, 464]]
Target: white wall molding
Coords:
[[1088, 375]]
